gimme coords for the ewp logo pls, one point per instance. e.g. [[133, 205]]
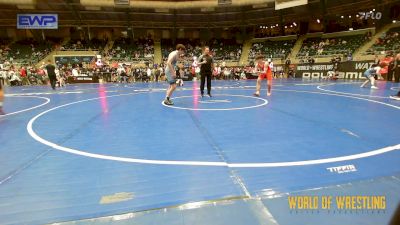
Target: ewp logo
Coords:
[[37, 21], [373, 15]]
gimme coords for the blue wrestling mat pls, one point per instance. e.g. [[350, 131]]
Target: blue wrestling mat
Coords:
[[115, 154]]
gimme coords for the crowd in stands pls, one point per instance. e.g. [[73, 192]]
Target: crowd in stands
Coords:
[[272, 49], [36, 75], [222, 50], [193, 49], [27, 51], [226, 49], [389, 41], [111, 72], [18, 59], [127, 49], [123, 49], [318, 47], [21, 75], [116, 72], [85, 45]]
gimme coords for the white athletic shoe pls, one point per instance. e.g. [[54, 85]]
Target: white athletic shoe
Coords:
[[374, 87], [395, 97]]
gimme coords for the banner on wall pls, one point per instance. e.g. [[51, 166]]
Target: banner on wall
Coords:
[[346, 70], [37, 21]]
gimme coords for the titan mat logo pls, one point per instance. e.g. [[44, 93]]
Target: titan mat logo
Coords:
[[342, 169]]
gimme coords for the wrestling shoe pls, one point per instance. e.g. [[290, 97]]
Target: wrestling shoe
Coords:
[[168, 102], [395, 97]]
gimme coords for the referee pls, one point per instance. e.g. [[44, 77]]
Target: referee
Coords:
[[50, 68], [207, 65]]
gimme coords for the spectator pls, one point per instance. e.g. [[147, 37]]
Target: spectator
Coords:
[[75, 72], [149, 73]]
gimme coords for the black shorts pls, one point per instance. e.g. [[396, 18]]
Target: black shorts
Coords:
[[1, 83]]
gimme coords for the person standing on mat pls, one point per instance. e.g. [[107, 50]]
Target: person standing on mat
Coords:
[[170, 71], [396, 76], [207, 66], [50, 68], [1, 98], [397, 68], [371, 73], [264, 70]]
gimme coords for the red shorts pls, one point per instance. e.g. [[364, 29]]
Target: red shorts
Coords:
[[265, 75]]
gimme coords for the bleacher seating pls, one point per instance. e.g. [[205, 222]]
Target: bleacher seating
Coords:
[[389, 41], [226, 49], [222, 50], [192, 47], [28, 51], [132, 50], [85, 45], [272, 49], [4, 48], [320, 47]]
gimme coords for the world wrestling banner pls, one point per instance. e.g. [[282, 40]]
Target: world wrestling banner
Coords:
[[346, 70]]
